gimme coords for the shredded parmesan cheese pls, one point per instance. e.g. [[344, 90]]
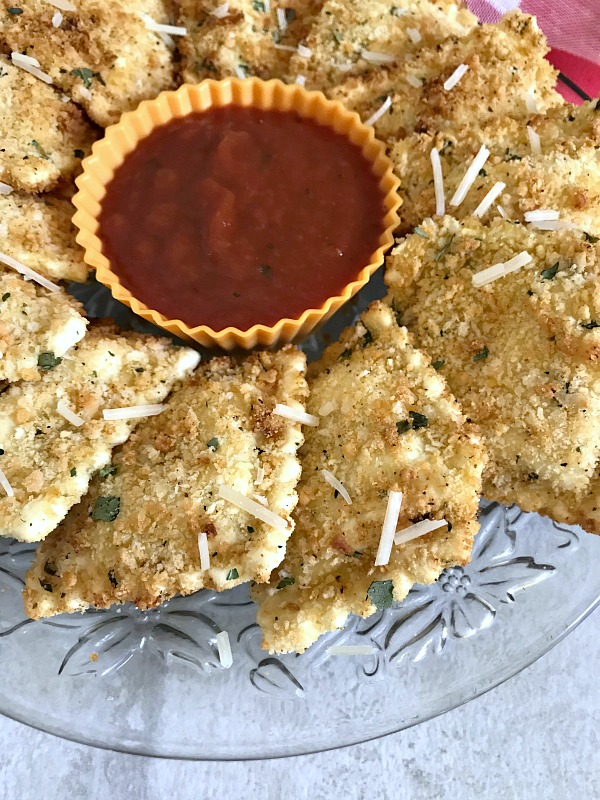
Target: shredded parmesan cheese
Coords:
[[546, 225], [57, 19], [31, 65], [337, 485], [222, 11], [389, 528], [240, 72], [418, 529], [470, 176], [387, 103], [296, 415], [252, 507], [63, 5], [530, 103], [287, 47], [438, 182], [5, 484], [414, 81], [377, 58], [66, 412], [267, 4], [300, 80], [496, 271], [203, 550], [133, 412], [487, 201], [414, 35], [541, 215], [5, 188], [534, 141], [502, 212], [455, 77], [304, 52], [281, 19], [224, 649], [158, 27], [350, 650], [28, 273]]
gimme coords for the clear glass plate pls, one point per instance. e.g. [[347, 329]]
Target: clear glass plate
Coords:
[[151, 683]]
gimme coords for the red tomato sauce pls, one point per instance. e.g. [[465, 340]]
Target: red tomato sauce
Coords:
[[238, 216]]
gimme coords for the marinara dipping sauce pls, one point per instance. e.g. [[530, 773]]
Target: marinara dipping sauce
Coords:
[[237, 216]]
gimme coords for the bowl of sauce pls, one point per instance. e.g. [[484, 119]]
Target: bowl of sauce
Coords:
[[237, 213]]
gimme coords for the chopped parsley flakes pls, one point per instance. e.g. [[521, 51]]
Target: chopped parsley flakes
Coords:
[[590, 325], [481, 354], [439, 363], [48, 361], [549, 273], [289, 581], [104, 472], [87, 75], [213, 444], [106, 509], [232, 575], [380, 594]]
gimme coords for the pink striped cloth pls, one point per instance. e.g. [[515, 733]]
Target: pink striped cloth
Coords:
[[572, 28]]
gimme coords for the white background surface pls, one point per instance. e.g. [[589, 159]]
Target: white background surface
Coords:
[[534, 738]]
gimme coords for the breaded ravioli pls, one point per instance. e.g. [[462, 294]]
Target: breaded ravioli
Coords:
[[564, 177], [505, 63], [37, 231], [521, 354], [102, 55], [43, 138], [48, 460], [219, 430], [354, 37], [34, 322], [251, 39], [387, 423]]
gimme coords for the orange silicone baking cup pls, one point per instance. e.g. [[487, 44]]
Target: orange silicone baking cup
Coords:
[[122, 138]]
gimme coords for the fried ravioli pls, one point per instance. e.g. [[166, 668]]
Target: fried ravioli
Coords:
[[247, 41], [219, 429], [34, 322], [37, 231], [387, 423], [46, 459], [346, 29], [564, 177], [42, 136], [521, 354], [505, 61], [102, 54]]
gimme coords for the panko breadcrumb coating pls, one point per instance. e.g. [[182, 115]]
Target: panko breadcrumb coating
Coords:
[[43, 138], [345, 29], [522, 354], [47, 460], [37, 231], [247, 41], [219, 429], [505, 61], [34, 321], [565, 177], [102, 55], [387, 423]]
